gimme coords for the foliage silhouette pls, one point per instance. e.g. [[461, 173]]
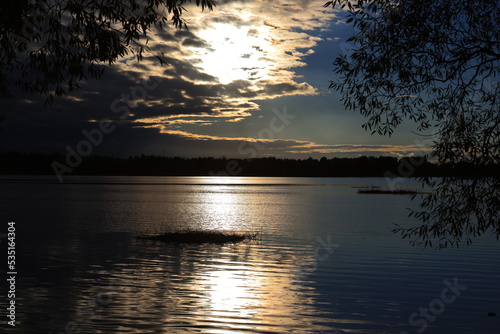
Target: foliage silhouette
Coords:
[[40, 164], [435, 63], [49, 46]]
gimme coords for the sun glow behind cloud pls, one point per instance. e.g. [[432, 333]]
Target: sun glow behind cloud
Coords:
[[230, 59], [226, 63], [217, 71], [235, 53], [223, 78]]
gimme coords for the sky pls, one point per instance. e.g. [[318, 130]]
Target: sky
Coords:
[[248, 79]]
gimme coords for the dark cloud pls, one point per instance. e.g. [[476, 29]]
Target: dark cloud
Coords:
[[253, 33], [226, 19], [186, 69], [287, 88], [183, 88], [194, 42], [188, 39]]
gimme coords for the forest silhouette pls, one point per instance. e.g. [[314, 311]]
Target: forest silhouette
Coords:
[[151, 165]]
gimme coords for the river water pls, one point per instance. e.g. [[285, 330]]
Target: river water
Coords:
[[326, 260]]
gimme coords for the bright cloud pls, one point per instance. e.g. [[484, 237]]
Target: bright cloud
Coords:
[[220, 73], [229, 59]]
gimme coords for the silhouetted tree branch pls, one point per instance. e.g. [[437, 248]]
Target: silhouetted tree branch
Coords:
[[50, 46], [435, 63]]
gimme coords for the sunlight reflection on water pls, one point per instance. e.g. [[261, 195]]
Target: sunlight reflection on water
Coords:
[[235, 288], [326, 263]]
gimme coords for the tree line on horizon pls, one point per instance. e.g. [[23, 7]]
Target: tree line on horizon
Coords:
[[153, 165]]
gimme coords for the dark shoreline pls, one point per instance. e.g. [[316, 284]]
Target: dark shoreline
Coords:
[[16, 163]]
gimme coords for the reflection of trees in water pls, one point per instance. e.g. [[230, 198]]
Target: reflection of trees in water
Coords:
[[438, 66]]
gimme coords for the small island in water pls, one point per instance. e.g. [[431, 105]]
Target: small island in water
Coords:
[[378, 190], [198, 237]]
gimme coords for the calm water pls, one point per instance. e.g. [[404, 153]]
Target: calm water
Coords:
[[327, 261]]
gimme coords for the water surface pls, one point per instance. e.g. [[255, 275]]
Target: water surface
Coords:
[[327, 261]]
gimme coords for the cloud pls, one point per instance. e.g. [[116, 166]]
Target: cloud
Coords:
[[398, 150], [297, 148], [236, 81], [216, 74]]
